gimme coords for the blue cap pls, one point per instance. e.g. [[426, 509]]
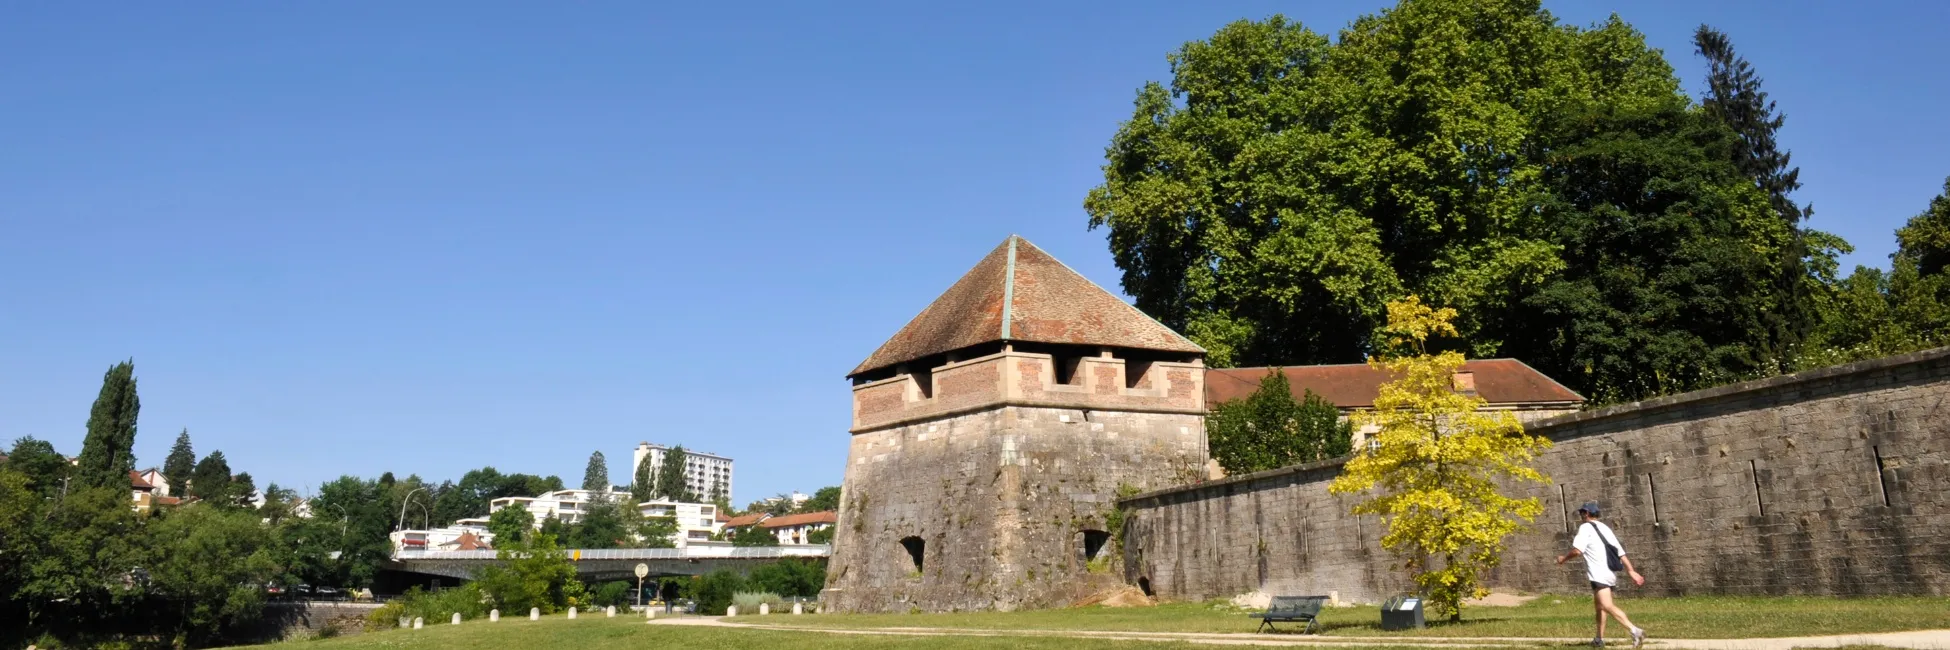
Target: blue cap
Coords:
[[1590, 508]]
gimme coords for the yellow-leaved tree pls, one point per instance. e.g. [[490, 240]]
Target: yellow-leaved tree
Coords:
[[1435, 464]]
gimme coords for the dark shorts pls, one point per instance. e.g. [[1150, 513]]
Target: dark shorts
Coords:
[[1598, 586]]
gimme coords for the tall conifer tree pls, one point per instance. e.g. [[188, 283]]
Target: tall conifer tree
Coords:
[[107, 454], [595, 477], [643, 485], [181, 461], [210, 481]]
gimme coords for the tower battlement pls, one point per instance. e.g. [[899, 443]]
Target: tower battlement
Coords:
[[1059, 378]]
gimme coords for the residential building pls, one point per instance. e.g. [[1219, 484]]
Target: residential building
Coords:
[[789, 529], [464, 535], [155, 478], [798, 529], [707, 475], [565, 505], [696, 522]]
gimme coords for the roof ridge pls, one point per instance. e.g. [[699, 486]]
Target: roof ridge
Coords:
[[1066, 266], [1009, 288]]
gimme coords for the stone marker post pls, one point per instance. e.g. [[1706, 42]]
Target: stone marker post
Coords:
[[456, 620], [572, 613], [494, 616], [610, 611], [731, 611], [419, 622], [764, 608], [650, 614], [534, 613], [798, 608]]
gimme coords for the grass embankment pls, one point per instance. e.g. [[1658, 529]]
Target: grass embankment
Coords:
[[1547, 617], [630, 633]]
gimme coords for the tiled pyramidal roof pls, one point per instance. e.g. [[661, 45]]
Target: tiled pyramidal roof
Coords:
[[1020, 293]]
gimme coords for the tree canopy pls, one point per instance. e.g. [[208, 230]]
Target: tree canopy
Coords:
[[1282, 188], [108, 451], [1270, 429]]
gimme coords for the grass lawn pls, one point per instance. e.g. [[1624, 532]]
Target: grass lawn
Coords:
[[620, 633], [1716, 617]]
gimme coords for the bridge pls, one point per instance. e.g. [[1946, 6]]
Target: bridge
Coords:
[[618, 563]]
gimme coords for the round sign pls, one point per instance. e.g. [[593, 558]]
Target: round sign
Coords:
[[642, 569]]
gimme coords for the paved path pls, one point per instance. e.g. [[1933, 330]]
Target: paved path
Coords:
[[1921, 639]]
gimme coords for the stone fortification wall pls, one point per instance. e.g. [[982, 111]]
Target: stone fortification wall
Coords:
[[1001, 500], [1827, 482]]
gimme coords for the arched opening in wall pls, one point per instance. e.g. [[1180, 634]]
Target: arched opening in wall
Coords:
[[1094, 542], [1144, 585], [917, 550]]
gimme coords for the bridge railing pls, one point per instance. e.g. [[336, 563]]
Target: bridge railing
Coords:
[[690, 553]]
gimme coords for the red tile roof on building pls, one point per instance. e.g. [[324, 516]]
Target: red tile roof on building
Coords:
[[745, 520], [168, 501], [1020, 293], [1355, 385], [722, 517], [468, 542], [135, 481], [782, 521]]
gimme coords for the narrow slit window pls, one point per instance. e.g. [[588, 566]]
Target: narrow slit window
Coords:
[[1652, 492], [1754, 468], [1564, 507], [917, 550], [1882, 475]]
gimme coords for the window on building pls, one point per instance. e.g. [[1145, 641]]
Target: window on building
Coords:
[[916, 550]]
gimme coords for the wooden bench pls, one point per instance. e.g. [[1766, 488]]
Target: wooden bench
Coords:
[[1291, 609]]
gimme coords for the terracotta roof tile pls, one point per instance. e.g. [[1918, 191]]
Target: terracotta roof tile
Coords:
[[1020, 293], [468, 542], [827, 517], [1355, 385], [745, 520], [135, 481]]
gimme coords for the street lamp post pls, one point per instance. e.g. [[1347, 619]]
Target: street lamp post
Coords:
[[402, 508]]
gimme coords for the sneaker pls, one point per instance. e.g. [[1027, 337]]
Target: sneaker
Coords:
[[1597, 642], [1638, 637]]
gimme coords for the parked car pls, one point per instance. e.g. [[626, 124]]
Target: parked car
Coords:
[[327, 593], [273, 590], [301, 591]]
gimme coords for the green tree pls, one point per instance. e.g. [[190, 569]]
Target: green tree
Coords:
[[1875, 313], [82, 572], [823, 500], [713, 591], [595, 477], [657, 532], [534, 573], [821, 536], [1440, 459], [510, 525], [107, 453], [1283, 188], [752, 535], [1734, 98], [643, 486], [607, 523], [671, 483], [181, 461], [44, 469], [1269, 429], [1672, 256], [210, 564], [790, 577], [210, 481]]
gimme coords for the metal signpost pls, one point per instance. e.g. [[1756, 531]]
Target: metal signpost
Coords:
[[641, 571]]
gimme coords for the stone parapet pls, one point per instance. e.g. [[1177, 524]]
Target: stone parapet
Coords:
[[1014, 378]]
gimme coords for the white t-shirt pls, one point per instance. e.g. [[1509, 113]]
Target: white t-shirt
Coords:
[[1590, 543]]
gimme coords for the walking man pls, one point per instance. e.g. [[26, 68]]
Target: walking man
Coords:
[[1603, 555]]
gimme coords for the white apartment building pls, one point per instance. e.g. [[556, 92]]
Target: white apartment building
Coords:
[[464, 535], [696, 522], [706, 474]]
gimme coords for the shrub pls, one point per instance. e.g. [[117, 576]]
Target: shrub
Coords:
[[612, 593], [792, 577], [748, 601], [386, 617], [713, 591], [435, 607]]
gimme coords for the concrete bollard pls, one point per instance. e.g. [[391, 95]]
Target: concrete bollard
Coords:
[[764, 609], [610, 611], [650, 613], [456, 620], [572, 613], [419, 622], [798, 608], [731, 611], [494, 616], [534, 613]]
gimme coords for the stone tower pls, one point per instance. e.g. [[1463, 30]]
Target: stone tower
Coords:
[[992, 434]]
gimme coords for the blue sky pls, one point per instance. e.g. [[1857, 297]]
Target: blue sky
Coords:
[[360, 237]]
